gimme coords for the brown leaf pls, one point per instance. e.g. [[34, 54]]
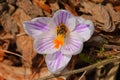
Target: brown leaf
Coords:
[[19, 16], [29, 8], [1, 78], [117, 8], [3, 7], [100, 14], [11, 1], [25, 46], [24, 42], [6, 36], [60, 79], [41, 4], [54, 6], [97, 1], [6, 21], [2, 54], [115, 15], [67, 7], [74, 3], [13, 73], [11, 8], [21, 73]]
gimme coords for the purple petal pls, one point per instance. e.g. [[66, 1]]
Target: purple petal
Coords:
[[61, 16], [36, 26], [44, 44], [81, 27], [57, 62], [84, 28], [73, 45]]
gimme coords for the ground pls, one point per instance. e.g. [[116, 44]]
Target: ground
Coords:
[[19, 60]]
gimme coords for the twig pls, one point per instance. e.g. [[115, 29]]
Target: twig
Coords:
[[13, 53], [90, 67], [107, 53], [21, 34], [82, 75], [38, 67], [9, 52], [112, 46]]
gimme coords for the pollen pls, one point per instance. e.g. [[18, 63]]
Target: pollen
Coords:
[[61, 31], [59, 41]]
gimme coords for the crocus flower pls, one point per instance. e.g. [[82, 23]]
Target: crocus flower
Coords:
[[59, 37]]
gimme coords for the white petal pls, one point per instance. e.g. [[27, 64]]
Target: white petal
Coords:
[[73, 45], [57, 62], [84, 28], [71, 23], [36, 26], [44, 43]]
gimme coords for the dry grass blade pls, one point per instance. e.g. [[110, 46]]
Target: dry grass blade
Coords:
[[82, 75]]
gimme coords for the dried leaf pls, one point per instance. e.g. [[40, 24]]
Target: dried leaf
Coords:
[[14, 73], [45, 74], [67, 7], [6, 36], [117, 8], [41, 4], [100, 14], [54, 6], [11, 8], [74, 3], [60, 79], [3, 8], [25, 46], [1, 78], [2, 54], [24, 42], [6, 21], [21, 73], [19, 16], [115, 16], [11, 1], [8, 62], [97, 1], [30, 9]]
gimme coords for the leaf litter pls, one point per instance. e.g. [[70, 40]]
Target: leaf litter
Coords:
[[104, 13]]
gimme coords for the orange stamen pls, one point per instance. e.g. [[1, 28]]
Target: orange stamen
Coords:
[[59, 41]]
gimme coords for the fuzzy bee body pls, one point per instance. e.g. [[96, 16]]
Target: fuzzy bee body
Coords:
[[61, 30]]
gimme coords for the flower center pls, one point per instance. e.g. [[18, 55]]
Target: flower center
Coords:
[[61, 33]]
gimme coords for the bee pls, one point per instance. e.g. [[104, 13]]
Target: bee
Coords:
[[62, 30]]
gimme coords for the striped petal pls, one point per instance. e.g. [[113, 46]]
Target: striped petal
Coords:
[[44, 44], [57, 62], [64, 17], [36, 26], [73, 44], [84, 28]]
